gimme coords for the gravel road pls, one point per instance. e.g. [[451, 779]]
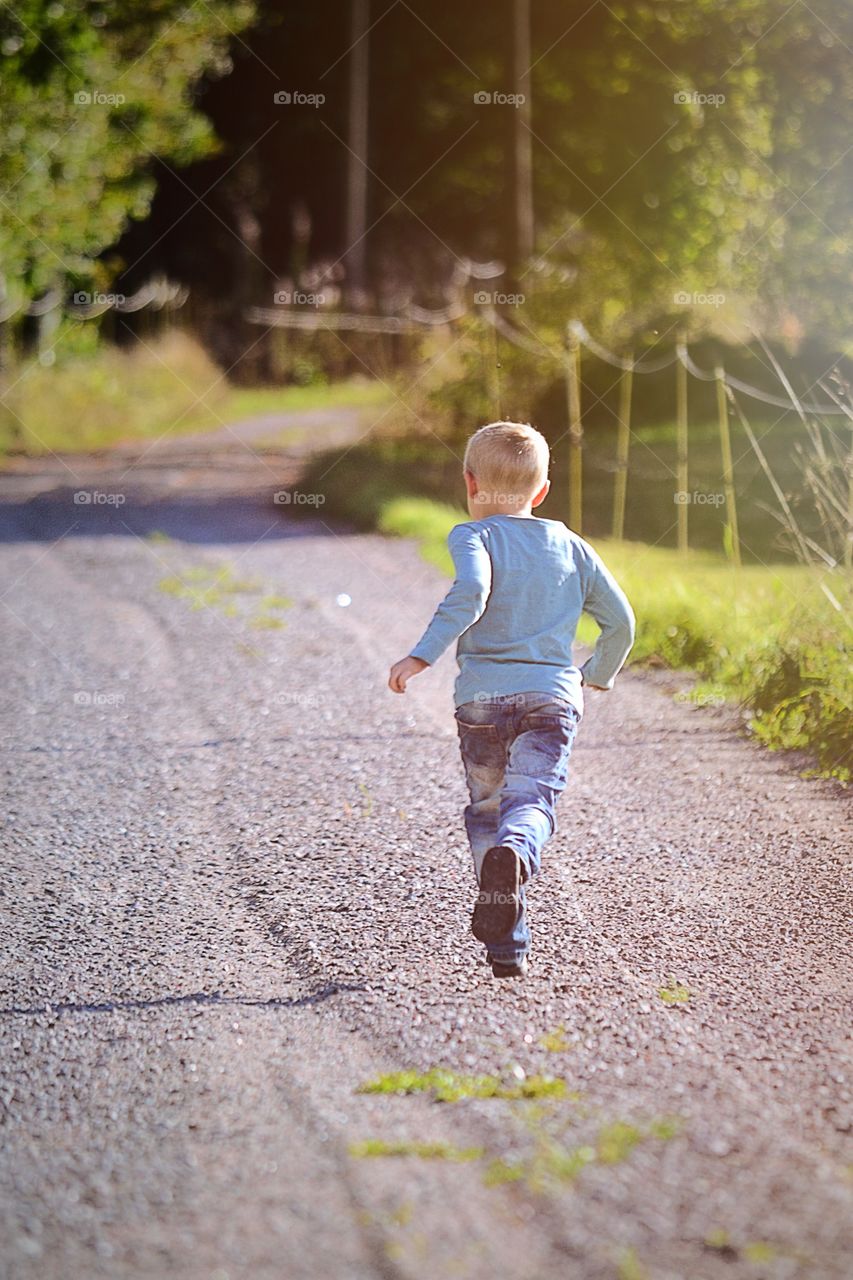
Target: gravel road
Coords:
[[235, 889]]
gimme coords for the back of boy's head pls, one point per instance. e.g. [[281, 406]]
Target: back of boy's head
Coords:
[[509, 460]]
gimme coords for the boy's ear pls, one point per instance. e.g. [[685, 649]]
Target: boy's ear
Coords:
[[540, 497], [470, 483]]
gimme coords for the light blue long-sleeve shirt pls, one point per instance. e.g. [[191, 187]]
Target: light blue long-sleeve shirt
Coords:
[[521, 586]]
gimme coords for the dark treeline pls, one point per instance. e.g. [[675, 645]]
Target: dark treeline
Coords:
[[674, 148]]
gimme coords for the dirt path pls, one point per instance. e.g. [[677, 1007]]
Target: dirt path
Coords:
[[236, 888]]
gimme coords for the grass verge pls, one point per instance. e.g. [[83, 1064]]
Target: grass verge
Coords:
[[773, 639], [91, 399]]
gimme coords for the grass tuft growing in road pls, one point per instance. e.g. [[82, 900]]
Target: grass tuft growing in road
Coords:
[[555, 1041], [423, 1150], [674, 993], [539, 1104], [448, 1086], [217, 587], [552, 1163]]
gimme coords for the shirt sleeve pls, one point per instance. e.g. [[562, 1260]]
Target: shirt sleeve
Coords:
[[466, 600], [606, 603]]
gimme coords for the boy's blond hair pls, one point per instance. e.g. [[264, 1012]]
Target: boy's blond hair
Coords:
[[509, 460]]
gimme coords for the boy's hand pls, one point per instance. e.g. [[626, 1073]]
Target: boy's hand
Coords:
[[402, 672]]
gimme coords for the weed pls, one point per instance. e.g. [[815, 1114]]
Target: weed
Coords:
[[422, 1150], [629, 1267], [675, 993], [448, 1086], [276, 602], [759, 1251], [265, 622], [555, 1041]]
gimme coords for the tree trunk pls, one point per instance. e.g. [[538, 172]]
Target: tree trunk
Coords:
[[356, 223], [523, 224]]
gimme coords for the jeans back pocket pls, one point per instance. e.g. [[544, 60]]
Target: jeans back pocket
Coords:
[[480, 743]]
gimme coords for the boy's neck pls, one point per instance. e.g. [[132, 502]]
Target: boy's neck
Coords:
[[486, 510]]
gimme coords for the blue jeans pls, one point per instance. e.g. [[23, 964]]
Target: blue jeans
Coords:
[[515, 749]]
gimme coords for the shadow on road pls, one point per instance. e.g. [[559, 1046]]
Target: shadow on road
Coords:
[[213, 518], [195, 997], [216, 487]]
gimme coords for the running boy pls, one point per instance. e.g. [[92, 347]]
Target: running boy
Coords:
[[521, 585]]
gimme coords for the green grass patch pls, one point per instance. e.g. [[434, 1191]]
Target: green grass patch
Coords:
[[552, 1162], [349, 393], [555, 1041], [266, 622], [629, 1267], [374, 1147], [674, 993], [449, 1086], [760, 1251], [207, 586], [93, 396], [539, 1102], [754, 1251], [276, 602]]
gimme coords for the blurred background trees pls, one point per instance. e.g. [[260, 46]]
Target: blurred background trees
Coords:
[[672, 147]]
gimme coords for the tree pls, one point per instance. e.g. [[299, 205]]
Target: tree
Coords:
[[89, 96]]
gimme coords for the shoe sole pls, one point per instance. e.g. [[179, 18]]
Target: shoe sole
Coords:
[[510, 971], [496, 908]]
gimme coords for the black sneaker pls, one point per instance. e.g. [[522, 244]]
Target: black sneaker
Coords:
[[510, 970], [497, 906]]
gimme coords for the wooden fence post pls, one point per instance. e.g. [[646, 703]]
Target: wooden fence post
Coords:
[[682, 496], [623, 444], [573, 388], [495, 375], [848, 545], [732, 537]]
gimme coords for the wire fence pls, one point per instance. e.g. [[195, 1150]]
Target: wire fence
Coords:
[[158, 294], [566, 360]]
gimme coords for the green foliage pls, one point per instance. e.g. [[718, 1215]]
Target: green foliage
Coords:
[[95, 396], [647, 183], [90, 400], [90, 95], [646, 186]]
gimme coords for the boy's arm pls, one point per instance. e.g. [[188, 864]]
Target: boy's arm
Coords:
[[605, 601], [460, 608]]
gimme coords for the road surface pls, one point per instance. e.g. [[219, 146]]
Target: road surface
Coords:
[[236, 890]]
